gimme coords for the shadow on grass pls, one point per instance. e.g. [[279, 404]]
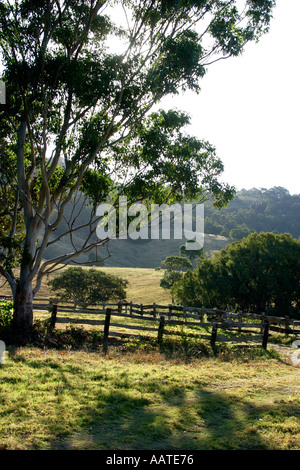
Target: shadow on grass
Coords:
[[180, 419], [133, 412]]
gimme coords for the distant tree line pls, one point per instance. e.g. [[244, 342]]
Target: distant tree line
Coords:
[[255, 210]]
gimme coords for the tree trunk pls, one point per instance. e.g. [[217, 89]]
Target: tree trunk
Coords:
[[23, 313]]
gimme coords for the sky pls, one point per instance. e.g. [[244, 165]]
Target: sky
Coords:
[[249, 106]]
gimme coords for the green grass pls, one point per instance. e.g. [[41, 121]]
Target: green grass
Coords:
[[180, 396], [141, 397]]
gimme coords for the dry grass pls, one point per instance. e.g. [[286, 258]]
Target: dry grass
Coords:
[[143, 285]]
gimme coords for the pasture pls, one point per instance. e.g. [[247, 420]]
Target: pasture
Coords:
[[179, 395], [143, 284]]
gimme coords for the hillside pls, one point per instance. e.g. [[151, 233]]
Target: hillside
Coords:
[[139, 253], [255, 210]]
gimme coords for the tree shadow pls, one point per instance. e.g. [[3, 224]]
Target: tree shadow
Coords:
[[197, 420], [123, 416]]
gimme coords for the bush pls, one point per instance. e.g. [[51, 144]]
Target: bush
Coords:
[[88, 285], [6, 314], [73, 337]]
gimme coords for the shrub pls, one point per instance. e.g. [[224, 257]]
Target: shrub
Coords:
[[88, 285], [6, 314]]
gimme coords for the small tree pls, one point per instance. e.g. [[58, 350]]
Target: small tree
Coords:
[[169, 278], [88, 286], [176, 263], [192, 255], [175, 267]]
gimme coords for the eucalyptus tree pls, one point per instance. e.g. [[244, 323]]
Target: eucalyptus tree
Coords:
[[81, 79]]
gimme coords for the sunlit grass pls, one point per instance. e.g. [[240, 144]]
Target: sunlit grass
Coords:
[[143, 285], [181, 395], [145, 397]]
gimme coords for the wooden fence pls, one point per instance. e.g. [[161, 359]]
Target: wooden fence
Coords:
[[158, 320]]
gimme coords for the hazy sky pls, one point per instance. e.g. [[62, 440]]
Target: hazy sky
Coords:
[[249, 107]]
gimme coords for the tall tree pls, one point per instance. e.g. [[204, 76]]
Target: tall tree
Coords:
[[81, 78]]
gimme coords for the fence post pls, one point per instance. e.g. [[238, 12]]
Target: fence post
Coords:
[[154, 310], [265, 334], [240, 320], [130, 308], [53, 316], [161, 327], [106, 328], [286, 325], [213, 337]]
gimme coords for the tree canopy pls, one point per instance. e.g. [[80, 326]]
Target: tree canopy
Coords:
[[261, 273], [81, 80]]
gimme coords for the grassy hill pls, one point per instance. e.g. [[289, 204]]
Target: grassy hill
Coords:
[[140, 253], [143, 285], [251, 210]]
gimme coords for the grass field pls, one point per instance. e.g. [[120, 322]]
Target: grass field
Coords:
[[145, 399], [143, 285], [180, 396]]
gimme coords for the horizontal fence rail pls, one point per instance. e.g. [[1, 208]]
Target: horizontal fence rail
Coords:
[[159, 319]]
